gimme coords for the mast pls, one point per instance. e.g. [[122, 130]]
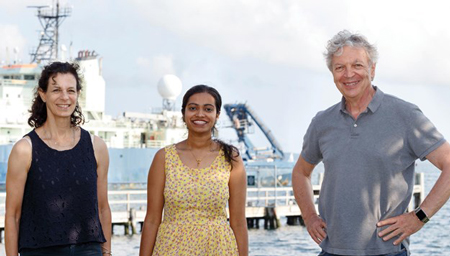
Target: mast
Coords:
[[50, 18]]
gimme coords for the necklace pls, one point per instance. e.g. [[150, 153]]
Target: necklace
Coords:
[[50, 137], [198, 160]]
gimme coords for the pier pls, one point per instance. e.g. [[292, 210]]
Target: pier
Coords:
[[273, 203], [263, 203]]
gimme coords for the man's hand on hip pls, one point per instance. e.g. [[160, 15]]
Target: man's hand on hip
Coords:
[[401, 226], [316, 228]]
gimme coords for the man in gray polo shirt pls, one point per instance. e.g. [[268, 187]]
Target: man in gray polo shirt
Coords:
[[368, 144]]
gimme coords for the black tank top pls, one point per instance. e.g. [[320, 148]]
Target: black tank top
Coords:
[[60, 204]]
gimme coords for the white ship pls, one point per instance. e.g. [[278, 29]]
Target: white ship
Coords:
[[132, 138], [144, 130]]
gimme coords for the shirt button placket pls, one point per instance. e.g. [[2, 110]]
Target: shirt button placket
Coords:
[[354, 130]]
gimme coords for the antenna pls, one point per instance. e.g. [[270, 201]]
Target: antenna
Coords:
[[50, 19], [63, 52], [16, 55], [7, 56], [70, 51]]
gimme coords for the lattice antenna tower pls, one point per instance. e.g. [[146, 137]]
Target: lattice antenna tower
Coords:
[[50, 18]]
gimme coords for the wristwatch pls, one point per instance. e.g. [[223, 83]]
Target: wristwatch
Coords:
[[421, 215]]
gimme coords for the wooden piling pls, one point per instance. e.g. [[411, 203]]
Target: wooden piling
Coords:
[[295, 221], [253, 223], [132, 221], [271, 220]]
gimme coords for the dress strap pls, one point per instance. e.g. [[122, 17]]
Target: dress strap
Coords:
[[170, 152]]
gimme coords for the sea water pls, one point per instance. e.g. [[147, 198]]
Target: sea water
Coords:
[[432, 240]]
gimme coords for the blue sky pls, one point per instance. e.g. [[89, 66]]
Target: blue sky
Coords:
[[265, 53]]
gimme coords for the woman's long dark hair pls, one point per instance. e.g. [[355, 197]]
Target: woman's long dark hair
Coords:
[[39, 109], [230, 151]]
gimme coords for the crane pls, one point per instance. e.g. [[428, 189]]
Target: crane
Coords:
[[243, 118]]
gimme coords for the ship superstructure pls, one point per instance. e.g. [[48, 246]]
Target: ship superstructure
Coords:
[[18, 82], [17, 85]]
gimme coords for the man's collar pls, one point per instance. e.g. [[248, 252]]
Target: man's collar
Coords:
[[376, 100], [374, 103]]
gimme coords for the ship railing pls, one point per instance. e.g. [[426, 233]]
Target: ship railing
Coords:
[[138, 144], [130, 205], [265, 197], [116, 124], [156, 143], [18, 82], [127, 205]]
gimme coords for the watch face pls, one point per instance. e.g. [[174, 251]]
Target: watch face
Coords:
[[421, 215]]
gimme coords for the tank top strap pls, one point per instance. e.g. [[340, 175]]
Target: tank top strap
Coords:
[[37, 144], [32, 135]]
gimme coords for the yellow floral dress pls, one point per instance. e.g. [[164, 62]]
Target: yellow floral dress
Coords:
[[195, 218]]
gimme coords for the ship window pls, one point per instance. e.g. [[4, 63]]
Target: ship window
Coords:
[[7, 95], [16, 77], [6, 77], [18, 95], [28, 77]]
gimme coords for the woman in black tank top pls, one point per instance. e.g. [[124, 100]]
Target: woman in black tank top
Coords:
[[56, 184]]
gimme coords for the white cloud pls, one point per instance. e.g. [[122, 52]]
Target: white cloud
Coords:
[[11, 39], [143, 62], [412, 37], [268, 30], [158, 65], [18, 5]]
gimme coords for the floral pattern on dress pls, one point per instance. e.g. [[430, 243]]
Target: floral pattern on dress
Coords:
[[195, 218]]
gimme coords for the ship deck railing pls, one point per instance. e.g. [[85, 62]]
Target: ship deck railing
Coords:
[[129, 206]]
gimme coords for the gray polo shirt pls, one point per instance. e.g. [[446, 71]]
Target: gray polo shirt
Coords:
[[369, 169]]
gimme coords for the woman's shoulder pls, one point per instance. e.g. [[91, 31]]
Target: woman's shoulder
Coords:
[[163, 151], [237, 159], [98, 144], [160, 157], [24, 145], [169, 149], [21, 151]]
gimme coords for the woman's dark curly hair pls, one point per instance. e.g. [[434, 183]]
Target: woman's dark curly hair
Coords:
[[38, 108], [229, 151]]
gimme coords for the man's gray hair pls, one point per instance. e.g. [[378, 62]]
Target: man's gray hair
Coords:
[[346, 38]]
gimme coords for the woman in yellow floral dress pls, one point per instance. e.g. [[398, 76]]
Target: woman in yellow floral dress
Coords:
[[193, 181]]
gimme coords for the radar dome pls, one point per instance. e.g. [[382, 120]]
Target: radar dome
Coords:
[[169, 87]]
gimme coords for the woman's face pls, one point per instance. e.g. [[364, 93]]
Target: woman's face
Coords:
[[200, 114], [61, 95]]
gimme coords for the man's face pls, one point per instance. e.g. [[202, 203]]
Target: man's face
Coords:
[[352, 72]]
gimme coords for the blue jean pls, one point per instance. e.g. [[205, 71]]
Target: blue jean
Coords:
[[89, 249], [403, 252]]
